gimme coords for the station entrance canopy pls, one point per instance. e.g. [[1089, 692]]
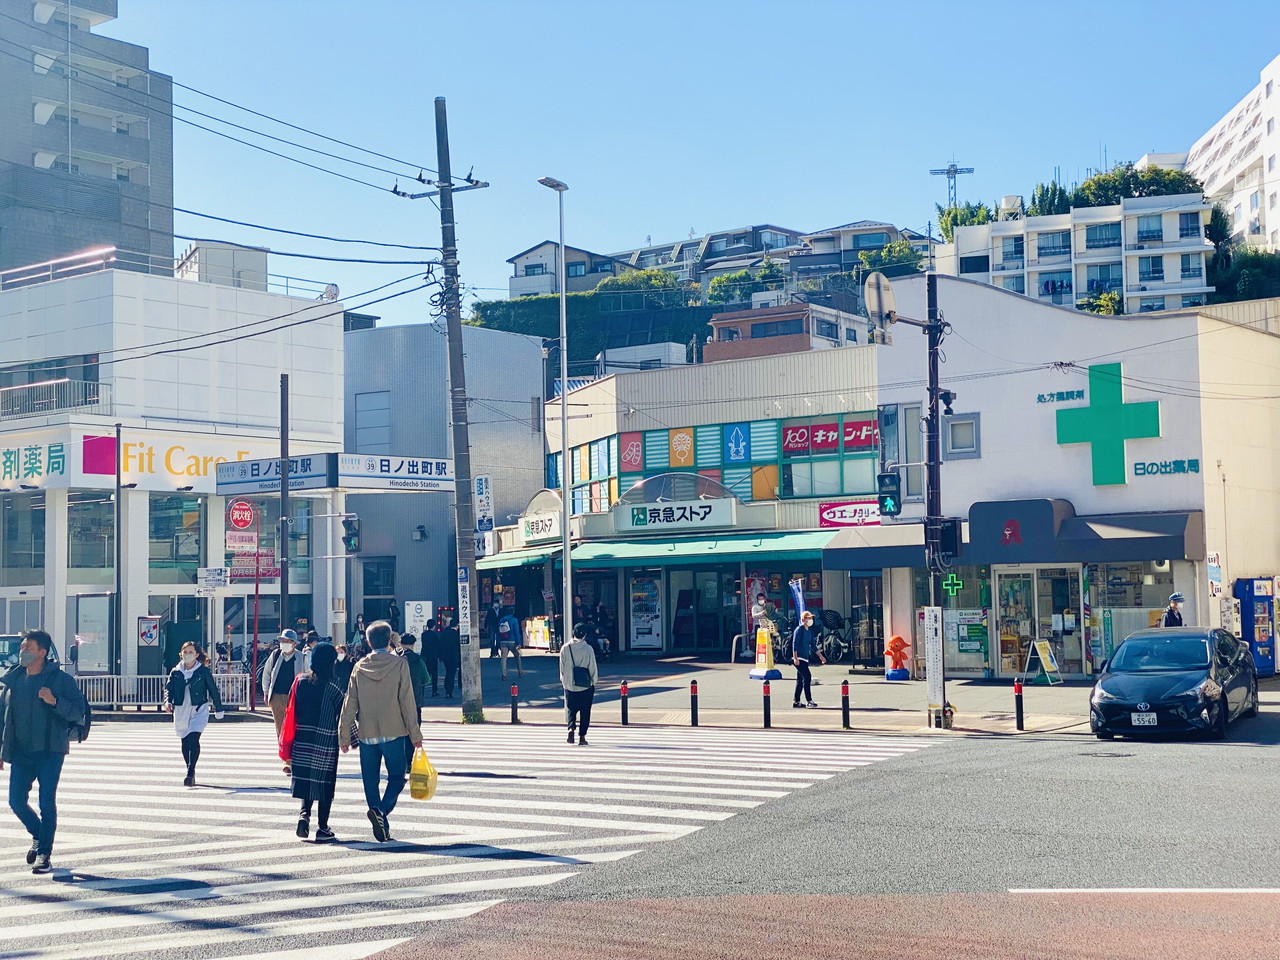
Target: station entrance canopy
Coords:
[[355, 472]]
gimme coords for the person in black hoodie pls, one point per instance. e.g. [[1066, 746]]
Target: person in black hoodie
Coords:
[[39, 704], [187, 696]]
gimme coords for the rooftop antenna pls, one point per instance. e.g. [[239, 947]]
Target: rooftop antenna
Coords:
[[951, 171]]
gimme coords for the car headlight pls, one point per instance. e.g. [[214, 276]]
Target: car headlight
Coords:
[[1100, 695]]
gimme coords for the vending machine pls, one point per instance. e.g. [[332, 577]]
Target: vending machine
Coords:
[[1257, 598]]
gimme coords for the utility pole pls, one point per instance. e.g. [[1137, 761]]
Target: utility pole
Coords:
[[283, 535], [933, 494]]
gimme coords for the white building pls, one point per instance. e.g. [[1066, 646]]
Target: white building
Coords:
[[1151, 250], [1236, 162], [190, 373]]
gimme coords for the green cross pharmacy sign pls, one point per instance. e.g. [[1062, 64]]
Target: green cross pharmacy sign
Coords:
[[1107, 422]]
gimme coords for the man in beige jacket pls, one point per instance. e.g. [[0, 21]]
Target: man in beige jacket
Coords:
[[380, 702]]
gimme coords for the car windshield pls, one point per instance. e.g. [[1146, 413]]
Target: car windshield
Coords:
[[1145, 654]]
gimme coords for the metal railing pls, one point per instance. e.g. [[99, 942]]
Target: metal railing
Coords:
[[148, 692], [49, 396]]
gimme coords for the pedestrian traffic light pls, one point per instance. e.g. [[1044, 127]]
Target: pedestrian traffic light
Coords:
[[351, 534], [889, 488]]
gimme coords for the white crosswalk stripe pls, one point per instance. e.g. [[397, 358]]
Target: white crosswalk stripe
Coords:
[[145, 867]]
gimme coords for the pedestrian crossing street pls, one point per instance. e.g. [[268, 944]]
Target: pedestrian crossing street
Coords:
[[145, 867]]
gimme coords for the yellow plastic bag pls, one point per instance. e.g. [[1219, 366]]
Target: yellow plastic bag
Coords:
[[422, 776]]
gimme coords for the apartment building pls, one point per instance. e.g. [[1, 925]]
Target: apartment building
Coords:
[[836, 249], [1151, 250], [786, 328], [537, 270], [690, 259], [86, 139]]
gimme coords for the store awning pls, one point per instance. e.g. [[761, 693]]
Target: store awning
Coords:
[[518, 558], [876, 547], [800, 545]]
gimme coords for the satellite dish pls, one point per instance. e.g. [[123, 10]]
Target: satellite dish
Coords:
[[331, 291], [878, 293]]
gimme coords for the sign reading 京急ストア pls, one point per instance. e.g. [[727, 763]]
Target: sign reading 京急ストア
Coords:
[[849, 513], [540, 527], [674, 515], [357, 471]]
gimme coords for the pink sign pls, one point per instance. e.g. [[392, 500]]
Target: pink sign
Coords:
[[795, 440], [849, 513], [631, 452], [860, 434], [824, 437]]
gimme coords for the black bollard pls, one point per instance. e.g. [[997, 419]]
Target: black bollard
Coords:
[[768, 708], [622, 694], [844, 703], [693, 703], [1017, 704], [515, 704]]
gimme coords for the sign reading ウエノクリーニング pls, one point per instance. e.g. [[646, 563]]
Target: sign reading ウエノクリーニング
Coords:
[[149, 459], [674, 515]]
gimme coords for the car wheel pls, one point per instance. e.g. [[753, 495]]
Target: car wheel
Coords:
[[1219, 731], [1105, 736], [1252, 709]]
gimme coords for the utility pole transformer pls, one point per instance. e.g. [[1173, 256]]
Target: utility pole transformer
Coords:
[[472, 696]]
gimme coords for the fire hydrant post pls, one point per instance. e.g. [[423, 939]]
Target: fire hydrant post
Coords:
[[768, 714], [693, 703], [622, 695]]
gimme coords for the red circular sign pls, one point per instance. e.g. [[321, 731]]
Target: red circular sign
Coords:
[[241, 514]]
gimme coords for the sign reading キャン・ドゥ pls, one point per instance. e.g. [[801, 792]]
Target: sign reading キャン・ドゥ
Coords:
[[674, 515]]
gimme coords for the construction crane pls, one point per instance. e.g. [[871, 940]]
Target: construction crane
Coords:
[[951, 171]]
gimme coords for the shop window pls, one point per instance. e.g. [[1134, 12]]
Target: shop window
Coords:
[[962, 437], [22, 532], [174, 534], [91, 539]]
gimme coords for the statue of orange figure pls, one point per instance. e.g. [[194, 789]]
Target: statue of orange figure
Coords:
[[896, 651]]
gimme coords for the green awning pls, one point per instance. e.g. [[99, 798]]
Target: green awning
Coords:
[[518, 558], [799, 545]]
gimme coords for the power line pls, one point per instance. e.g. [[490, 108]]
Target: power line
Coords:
[[311, 256], [298, 233]]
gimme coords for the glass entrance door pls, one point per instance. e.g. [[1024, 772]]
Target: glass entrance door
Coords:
[[1039, 603], [707, 611]]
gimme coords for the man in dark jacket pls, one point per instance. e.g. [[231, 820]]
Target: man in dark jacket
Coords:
[[431, 655], [804, 647], [492, 617], [38, 705], [450, 655], [418, 673], [1173, 613]]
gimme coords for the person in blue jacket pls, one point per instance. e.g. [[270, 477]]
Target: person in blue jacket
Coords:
[[804, 647]]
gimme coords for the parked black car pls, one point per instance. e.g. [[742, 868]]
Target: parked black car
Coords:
[[1174, 680]]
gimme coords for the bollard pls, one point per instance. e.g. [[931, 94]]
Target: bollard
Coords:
[[768, 708], [1017, 703], [515, 704], [844, 703], [693, 703], [622, 695]]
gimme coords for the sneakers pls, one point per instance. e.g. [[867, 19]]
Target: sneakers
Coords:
[[33, 852], [798, 704], [812, 704], [42, 864], [570, 740], [304, 827], [379, 821], [325, 835], [582, 742]]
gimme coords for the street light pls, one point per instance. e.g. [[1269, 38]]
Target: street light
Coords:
[[566, 595]]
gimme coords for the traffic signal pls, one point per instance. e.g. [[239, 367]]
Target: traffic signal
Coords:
[[351, 534], [889, 489]]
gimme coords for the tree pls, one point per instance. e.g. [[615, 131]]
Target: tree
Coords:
[[899, 253], [1124, 181], [1244, 274], [652, 279], [1219, 230], [1048, 199], [1106, 302], [965, 215], [738, 287]]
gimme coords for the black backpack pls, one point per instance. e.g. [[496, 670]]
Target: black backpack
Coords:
[[80, 731]]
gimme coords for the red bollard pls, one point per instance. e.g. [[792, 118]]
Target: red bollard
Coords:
[[768, 708], [515, 704], [1017, 703], [693, 703], [844, 703], [623, 693]]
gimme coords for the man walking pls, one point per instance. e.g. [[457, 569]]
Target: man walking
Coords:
[[39, 704], [418, 675], [431, 655], [1173, 613], [380, 702], [492, 617], [578, 676], [285, 663], [450, 654], [804, 645], [509, 641]]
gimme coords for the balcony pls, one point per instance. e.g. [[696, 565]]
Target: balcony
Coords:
[[1101, 243], [1098, 285], [1151, 278], [1193, 274], [1050, 255], [51, 396], [1150, 236], [1063, 297], [1187, 232], [1010, 264]]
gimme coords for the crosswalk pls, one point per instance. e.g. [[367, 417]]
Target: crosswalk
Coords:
[[145, 867]]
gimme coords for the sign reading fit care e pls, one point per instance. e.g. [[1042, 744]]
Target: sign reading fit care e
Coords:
[[674, 515]]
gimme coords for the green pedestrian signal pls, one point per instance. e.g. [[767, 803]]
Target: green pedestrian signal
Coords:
[[889, 490], [351, 534]]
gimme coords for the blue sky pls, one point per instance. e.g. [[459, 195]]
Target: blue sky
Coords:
[[669, 116]]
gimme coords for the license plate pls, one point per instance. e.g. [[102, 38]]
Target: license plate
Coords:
[[1143, 719]]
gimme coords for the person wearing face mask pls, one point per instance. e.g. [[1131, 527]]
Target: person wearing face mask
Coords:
[[38, 705], [285, 664], [187, 696], [1173, 613]]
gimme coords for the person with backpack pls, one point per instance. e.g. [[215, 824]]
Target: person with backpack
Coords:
[[41, 708], [310, 743], [187, 696], [509, 641]]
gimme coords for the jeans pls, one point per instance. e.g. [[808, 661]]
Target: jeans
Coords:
[[372, 758], [577, 709], [23, 772], [803, 679]]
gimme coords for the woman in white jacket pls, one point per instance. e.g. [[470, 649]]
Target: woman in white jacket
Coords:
[[578, 676]]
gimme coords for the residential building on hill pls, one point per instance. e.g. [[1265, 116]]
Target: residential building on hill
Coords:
[[789, 328], [537, 270], [1150, 250], [836, 249], [690, 259], [86, 140]]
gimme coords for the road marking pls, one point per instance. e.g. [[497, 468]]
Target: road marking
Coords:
[[1122, 890]]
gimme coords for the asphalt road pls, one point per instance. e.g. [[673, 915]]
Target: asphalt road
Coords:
[[990, 848]]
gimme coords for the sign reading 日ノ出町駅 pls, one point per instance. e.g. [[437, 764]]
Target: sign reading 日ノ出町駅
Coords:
[[674, 515], [1108, 422], [358, 471]]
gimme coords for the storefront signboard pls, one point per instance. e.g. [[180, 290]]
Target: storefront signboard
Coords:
[[849, 513], [540, 527], [646, 611], [675, 515], [363, 472], [933, 656]]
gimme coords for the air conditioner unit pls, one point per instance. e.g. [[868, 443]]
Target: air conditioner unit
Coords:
[[1139, 246]]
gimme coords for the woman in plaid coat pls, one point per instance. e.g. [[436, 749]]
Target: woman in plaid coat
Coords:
[[316, 703]]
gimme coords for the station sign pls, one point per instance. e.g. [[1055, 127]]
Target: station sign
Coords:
[[308, 472], [357, 471]]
